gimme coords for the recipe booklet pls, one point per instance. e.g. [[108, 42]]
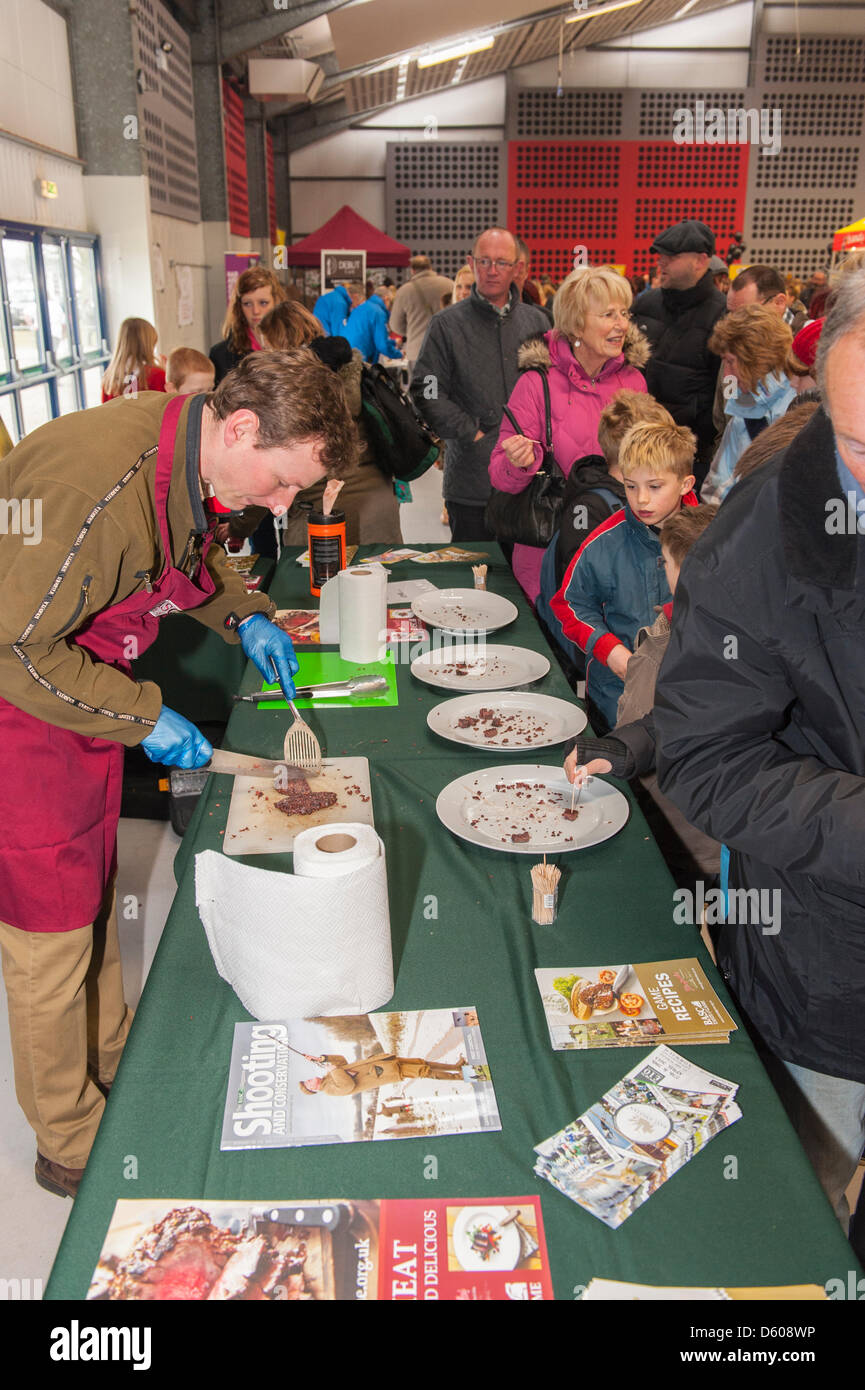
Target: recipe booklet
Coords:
[[615, 1155], [657, 1001], [393, 1250], [367, 1076]]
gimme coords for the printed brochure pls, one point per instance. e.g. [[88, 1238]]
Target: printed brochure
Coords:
[[588, 1006], [400, 1251], [368, 1076], [618, 1152]]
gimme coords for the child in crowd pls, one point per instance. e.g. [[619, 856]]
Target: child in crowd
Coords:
[[134, 366], [188, 372], [593, 491], [629, 750], [616, 579]]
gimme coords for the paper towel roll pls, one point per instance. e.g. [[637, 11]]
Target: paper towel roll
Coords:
[[315, 942], [363, 613]]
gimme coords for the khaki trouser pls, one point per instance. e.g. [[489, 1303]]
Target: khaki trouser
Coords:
[[66, 1009]]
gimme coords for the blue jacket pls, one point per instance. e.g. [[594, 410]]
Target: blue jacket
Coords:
[[332, 310], [611, 589], [366, 330]]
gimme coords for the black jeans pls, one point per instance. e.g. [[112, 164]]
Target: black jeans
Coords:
[[467, 521]]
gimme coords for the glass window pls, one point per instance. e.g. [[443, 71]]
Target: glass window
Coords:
[[86, 302], [67, 393], [35, 406], [58, 301], [7, 415], [20, 265], [92, 382]]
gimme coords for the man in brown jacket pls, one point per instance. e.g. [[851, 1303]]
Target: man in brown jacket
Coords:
[[108, 533], [415, 303], [384, 1069]]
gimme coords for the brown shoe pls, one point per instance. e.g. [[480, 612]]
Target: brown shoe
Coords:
[[63, 1182]]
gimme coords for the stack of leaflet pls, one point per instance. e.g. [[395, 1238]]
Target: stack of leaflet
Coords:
[[617, 1153]]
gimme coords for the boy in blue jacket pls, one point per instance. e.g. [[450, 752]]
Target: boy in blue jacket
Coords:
[[616, 580]]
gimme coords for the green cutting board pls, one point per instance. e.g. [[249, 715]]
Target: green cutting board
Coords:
[[317, 668]]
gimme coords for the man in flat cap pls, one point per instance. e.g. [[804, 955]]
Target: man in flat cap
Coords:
[[678, 320]]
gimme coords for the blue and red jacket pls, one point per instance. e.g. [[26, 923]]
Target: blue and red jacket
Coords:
[[611, 589]]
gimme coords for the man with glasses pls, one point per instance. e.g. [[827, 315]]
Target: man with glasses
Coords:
[[466, 371], [678, 320]]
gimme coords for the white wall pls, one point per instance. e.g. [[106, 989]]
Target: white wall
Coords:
[[181, 242], [35, 76], [342, 157], [20, 169], [118, 208]]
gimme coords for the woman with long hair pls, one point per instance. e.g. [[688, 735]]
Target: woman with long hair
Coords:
[[256, 292], [134, 366]]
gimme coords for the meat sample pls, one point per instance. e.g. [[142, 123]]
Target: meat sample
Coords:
[[300, 800], [185, 1256]]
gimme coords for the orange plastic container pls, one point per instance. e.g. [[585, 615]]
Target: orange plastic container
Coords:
[[326, 536]]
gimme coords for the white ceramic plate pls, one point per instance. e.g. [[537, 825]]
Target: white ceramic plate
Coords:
[[488, 808], [464, 610], [508, 1250], [475, 666], [525, 721]]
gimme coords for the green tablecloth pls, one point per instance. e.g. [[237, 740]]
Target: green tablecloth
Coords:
[[760, 1220]]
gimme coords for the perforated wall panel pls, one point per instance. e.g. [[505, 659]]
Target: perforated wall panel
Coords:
[[165, 111], [621, 194], [441, 194], [799, 197], [569, 156]]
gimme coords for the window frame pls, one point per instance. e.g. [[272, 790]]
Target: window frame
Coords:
[[49, 372]]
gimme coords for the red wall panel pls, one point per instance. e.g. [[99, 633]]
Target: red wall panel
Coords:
[[271, 188], [235, 161], [613, 197]]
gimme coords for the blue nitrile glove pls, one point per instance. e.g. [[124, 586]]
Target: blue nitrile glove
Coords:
[[177, 742], [263, 642]]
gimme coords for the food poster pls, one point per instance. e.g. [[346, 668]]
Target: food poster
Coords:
[[304, 1251], [365, 1077], [631, 1005], [302, 625]]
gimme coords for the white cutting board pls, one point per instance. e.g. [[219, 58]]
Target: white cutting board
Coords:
[[256, 827]]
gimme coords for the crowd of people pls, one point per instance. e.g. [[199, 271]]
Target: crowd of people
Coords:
[[697, 433]]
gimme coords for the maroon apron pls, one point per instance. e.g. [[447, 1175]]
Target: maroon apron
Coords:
[[59, 790]]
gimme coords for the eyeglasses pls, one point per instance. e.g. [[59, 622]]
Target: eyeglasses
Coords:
[[485, 263]]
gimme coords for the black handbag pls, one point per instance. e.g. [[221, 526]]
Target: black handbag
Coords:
[[530, 517]]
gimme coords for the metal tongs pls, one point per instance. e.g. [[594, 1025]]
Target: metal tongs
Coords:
[[357, 685]]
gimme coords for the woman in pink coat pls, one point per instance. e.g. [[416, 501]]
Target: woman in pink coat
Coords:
[[592, 352]]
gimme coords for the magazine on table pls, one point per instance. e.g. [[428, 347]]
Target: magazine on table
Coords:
[[588, 1006], [302, 625], [615, 1155], [420, 1249], [449, 555], [367, 1076], [350, 552]]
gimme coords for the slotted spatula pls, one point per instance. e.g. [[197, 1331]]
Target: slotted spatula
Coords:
[[301, 747]]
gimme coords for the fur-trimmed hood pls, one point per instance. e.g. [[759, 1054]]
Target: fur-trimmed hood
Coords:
[[535, 352]]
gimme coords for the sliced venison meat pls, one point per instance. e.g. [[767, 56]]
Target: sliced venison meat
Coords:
[[301, 801]]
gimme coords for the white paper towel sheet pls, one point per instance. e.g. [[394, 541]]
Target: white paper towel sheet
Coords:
[[363, 613], [315, 942]]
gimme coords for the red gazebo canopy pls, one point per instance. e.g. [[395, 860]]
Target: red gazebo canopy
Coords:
[[348, 231]]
